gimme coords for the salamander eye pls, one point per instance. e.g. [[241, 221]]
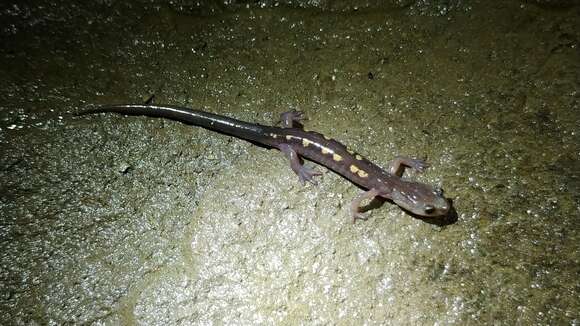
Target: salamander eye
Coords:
[[429, 209]]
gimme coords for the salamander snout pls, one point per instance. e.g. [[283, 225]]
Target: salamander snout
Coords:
[[421, 199]]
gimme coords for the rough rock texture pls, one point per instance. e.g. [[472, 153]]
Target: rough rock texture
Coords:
[[130, 220]]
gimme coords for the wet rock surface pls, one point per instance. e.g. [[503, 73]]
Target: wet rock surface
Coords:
[[108, 219]]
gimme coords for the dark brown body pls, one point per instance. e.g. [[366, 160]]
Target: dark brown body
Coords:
[[334, 155], [416, 197]]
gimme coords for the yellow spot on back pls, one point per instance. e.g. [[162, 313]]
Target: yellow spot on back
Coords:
[[327, 138], [306, 142], [358, 157], [336, 157], [288, 137], [362, 174], [349, 151], [274, 135], [325, 150], [354, 168]]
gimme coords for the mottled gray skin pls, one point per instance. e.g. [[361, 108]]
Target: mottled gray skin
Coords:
[[417, 198]]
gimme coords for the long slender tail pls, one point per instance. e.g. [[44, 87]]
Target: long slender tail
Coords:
[[222, 124]]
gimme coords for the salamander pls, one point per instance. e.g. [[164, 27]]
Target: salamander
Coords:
[[296, 143]]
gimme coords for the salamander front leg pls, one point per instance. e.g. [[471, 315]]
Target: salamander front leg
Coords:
[[398, 165], [304, 173], [356, 203], [290, 118]]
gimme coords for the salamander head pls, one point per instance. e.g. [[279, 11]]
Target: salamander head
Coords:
[[420, 199]]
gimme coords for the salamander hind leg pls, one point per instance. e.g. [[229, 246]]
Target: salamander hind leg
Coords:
[[305, 174], [398, 165], [292, 119]]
